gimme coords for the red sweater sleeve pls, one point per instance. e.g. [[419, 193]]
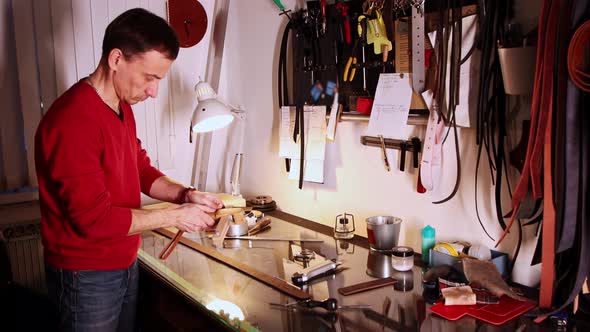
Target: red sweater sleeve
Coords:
[[147, 173], [73, 149]]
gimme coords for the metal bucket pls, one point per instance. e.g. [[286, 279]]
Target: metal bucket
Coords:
[[383, 232]]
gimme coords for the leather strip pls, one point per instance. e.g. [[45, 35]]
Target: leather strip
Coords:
[[274, 282], [578, 57]]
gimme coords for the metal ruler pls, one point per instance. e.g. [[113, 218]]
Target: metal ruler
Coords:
[[418, 69], [274, 282]]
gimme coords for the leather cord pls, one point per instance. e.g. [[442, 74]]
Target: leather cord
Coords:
[[455, 24], [282, 82]]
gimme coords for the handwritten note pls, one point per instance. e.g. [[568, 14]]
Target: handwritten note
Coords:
[[287, 146], [315, 142], [389, 115]]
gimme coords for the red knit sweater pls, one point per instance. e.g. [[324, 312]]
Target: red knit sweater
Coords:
[[91, 169]]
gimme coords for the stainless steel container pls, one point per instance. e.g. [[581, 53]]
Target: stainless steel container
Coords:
[[237, 229], [383, 232]]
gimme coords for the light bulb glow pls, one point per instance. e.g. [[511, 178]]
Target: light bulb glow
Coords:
[[228, 308], [213, 123]]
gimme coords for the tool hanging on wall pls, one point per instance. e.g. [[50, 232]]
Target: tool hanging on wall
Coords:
[[418, 68]]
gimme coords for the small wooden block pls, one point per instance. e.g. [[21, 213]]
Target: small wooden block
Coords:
[[221, 231], [230, 201], [225, 212]]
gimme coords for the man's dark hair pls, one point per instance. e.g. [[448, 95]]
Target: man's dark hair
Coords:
[[138, 31]]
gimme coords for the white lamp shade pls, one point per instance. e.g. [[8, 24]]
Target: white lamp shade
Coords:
[[211, 114]]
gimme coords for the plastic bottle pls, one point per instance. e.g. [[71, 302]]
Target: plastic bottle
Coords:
[[428, 242]]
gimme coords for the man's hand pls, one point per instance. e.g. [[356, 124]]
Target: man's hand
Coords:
[[208, 202], [191, 217]]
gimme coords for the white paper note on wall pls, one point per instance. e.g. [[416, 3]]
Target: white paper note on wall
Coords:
[[315, 146], [391, 106], [287, 147]]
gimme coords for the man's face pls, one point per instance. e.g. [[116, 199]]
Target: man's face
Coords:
[[137, 78]]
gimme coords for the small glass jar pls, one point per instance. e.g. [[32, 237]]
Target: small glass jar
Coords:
[[402, 258]]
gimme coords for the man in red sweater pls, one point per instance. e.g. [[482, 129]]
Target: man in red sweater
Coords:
[[92, 169]]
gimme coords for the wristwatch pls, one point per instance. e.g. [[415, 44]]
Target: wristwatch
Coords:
[[183, 194]]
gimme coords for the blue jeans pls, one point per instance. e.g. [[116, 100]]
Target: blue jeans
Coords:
[[94, 300]]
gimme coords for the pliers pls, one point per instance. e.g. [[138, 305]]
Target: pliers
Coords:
[[350, 67]]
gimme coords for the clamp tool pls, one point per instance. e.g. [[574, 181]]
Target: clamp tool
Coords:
[[307, 274]]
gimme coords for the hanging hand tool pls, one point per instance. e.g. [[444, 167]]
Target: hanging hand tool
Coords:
[[282, 8], [402, 157], [323, 12], [362, 32], [377, 35], [418, 69], [343, 8], [416, 147], [384, 153], [351, 63], [330, 304]]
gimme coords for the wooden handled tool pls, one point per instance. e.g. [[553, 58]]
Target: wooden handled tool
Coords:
[[259, 226]]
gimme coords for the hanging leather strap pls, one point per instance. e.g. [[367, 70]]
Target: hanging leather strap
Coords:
[[573, 138], [578, 57], [282, 81], [539, 151]]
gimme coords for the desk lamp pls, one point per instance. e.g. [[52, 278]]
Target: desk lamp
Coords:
[[212, 114]]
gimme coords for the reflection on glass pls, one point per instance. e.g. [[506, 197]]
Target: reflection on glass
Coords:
[[228, 308], [379, 265], [343, 246]]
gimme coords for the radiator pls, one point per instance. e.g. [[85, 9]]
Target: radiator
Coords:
[[25, 254]]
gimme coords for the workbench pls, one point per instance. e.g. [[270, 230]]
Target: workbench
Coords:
[[175, 292]]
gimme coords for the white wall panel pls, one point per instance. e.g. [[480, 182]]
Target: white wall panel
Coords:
[[45, 52], [84, 46], [66, 72], [115, 8], [99, 19], [13, 163], [28, 79]]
